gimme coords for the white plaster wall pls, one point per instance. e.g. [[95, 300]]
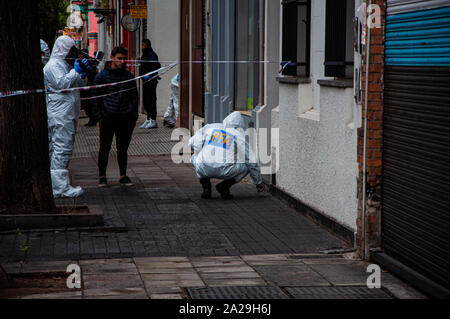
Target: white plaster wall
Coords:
[[162, 30], [272, 53], [318, 163]]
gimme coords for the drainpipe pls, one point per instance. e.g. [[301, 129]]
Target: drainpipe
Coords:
[[365, 139]]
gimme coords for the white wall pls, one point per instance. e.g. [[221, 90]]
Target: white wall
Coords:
[[318, 148], [162, 30], [272, 53]]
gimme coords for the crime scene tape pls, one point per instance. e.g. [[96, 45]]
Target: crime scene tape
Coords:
[[162, 69], [129, 89], [84, 88]]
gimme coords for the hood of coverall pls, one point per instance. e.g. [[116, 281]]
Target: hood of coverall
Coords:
[[234, 120], [62, 47]]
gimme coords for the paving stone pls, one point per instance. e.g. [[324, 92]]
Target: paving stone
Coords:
[[114, 292], [140, 296], [46, 266], [224, 269], [235, 282], [343, 275], [299, 275], [150, 270], [160, 259], [56, 295], [111, 281], [170, 277], [166, 296], [173, 283], [227, 275], [163, 290]]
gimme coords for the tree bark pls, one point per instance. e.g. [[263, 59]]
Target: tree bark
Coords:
[[25, 184], [5, 280]]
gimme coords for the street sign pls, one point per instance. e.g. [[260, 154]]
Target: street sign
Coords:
[[138, 12]]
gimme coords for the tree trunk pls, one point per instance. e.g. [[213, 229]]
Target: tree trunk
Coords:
[[25, 184], [5, 280]]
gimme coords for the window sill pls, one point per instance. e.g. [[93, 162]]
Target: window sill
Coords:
[[293, 80], [337, 83]]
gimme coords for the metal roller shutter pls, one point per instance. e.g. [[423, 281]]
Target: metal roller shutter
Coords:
[[416, 151]]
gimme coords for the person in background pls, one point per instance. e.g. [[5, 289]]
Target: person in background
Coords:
[[171, 115], [63, 71], [86, 105], [45, 52], [117, 114], [149, 87], [221, 151]]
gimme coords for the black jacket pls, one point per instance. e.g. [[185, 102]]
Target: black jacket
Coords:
[[120, 107], [149, 55]]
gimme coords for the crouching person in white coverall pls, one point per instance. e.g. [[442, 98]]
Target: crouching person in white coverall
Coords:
[[221, 151], [63, 110]]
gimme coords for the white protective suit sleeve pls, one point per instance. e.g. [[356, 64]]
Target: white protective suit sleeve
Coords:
[[197, 141]]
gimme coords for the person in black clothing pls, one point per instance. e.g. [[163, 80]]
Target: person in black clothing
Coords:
[[149, 89], [86, 105], [117, 113]]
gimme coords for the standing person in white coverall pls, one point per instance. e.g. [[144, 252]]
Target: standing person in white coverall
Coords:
[[63, 110], [221, 151], [45, 52], [171, 115]]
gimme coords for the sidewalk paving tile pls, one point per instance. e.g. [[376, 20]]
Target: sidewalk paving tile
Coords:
[[233, 275], [170, 277], [114, 292], [235, 282], [173, 283], [224, 269], [166, 296], [299, 275], [343, 275], [111, 281]]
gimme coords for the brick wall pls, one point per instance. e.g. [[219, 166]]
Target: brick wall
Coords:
[[374, 170]]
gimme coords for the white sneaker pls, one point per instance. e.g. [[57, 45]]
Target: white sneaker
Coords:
[[152, 124], [146, 123]]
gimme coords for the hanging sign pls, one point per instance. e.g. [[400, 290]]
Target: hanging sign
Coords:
[[138, 12]]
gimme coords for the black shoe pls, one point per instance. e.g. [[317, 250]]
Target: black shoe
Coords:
[[224, 188], [206, 183], [102, 182], [126, 181]]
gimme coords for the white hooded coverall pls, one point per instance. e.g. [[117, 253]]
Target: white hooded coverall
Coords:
[[221, 151], [172, 110], [63, 110], [46, 50]]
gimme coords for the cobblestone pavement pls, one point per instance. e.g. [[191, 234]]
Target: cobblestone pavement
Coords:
[[163, 215], [274, 276], [160, 239]]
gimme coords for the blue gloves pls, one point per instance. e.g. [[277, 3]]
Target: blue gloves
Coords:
[[81, 67], [146, 77]]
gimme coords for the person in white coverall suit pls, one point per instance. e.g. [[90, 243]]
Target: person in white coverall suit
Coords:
[[171, 115], [63, 110], [221, 151]]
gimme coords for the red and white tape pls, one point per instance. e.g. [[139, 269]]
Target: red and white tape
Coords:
[[85, 88]]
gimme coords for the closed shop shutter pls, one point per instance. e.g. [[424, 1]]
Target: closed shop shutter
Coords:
[[416, 151]]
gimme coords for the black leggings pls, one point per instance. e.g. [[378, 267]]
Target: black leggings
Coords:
[[150, 99], [123, 132]]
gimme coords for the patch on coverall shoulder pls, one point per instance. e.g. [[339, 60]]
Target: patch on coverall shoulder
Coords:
[[221, 138]]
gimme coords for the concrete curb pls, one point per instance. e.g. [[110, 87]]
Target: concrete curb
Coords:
[[30, 221]]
